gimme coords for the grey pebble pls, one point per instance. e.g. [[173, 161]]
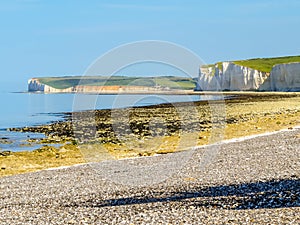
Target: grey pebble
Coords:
[[254, 181]]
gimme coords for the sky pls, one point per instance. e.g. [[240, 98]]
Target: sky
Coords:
[[63, 37]]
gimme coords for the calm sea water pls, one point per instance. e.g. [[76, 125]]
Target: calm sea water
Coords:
[[28, 109]]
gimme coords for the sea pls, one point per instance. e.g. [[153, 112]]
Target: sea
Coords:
[[21, 109]]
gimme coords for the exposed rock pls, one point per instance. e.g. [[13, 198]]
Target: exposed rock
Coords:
[[46, 148], [5, 153], [285, 77], [231, 77], [5, 140], [34, 85]]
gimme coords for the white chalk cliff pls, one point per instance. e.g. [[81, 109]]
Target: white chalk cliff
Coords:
[[285, 77], [227, 76], [233, 77], [34, 85]]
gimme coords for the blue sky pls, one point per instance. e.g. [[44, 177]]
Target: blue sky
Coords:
[[63, 37]]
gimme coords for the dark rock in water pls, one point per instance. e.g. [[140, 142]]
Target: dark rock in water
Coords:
[[115, 126], [111, 126], [5, 141]]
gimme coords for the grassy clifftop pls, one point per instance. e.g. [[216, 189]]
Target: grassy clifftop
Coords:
[[266, 64], [171, 82], [261, 64]]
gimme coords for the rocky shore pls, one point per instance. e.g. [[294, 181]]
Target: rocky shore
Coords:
[[94, 136], [106, 126]]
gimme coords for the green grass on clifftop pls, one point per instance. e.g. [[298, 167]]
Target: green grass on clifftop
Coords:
[[171, 82], [266, 64]]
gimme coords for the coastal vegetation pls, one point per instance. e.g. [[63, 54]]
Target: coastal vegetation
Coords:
[[266, 64], [260, 64]]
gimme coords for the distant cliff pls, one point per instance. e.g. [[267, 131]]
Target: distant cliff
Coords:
[[233, 77], [110, 84], [34, 85], [269, 74]]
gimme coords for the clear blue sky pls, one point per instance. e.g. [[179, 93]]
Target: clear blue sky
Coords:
[[62, 37]]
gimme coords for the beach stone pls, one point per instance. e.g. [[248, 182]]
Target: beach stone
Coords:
[[5, 153]]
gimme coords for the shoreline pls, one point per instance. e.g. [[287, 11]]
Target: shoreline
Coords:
[[270, 113], [226, 141], [175, 92]]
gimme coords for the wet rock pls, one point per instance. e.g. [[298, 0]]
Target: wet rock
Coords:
[[46, 148], [5, 153], [5, 141]]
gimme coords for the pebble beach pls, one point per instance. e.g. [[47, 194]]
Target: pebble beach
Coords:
[[249, 181]]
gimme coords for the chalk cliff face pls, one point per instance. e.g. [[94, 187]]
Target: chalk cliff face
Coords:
[[283, 77], [34, 85], [112, 89], [231, 77]]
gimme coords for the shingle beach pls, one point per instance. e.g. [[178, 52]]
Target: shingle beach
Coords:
[[248, 181]]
